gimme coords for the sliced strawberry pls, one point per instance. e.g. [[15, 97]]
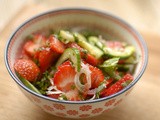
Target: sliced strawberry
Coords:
[[114, 44], [54, 96], [74, 45], [64, 81], [30, 48], [73, 95], [116, 87], [56, 45], [65, 63], [27, 69], [97, 76], [86, 56], [32, 45], [92, 60], [45, 58], [64, 77]]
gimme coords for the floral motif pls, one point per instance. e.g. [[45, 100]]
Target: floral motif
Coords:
[[85, 107], [118, 102], [35, 99], [61, 114], [84, 115], [97, 110], [110, 102], [107, 110], [48, 108], [72, 112], [127, 93], [59, 106]]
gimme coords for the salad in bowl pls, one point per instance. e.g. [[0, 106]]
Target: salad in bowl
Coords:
[[76, 63], [75, 66]]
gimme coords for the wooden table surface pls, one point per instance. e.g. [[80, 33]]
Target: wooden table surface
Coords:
[[142, 104]]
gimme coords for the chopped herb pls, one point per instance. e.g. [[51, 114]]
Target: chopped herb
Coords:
[[73, 87], [44, 83], [126, 83]]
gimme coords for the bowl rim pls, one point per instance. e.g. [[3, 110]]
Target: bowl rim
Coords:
[[16, 79]]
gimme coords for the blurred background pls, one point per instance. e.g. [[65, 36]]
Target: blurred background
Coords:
[[144, 15]]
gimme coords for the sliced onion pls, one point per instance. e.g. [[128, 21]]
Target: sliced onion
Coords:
[[85, 69], [51, 81], [92, 91], [101, 39], [92, 98], [54, 92], [101, 87], [96, 90]]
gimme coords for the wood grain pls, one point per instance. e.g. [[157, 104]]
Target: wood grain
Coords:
[[142, 104]]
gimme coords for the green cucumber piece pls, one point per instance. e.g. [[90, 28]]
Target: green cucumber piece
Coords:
[[131, 60], [128, 51], [109, 66], [93, 50], [95, 41], [28, 84], [66, 36], [123, 68], [79, 36], [73, 55]]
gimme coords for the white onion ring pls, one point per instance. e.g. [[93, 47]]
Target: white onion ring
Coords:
[[84, 69], [56, 91], [53, 92]]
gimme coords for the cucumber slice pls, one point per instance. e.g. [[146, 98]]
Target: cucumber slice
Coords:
[[109, 66], [28, 84], [95, 41], [73, 55], [93, 50], [66, 36], [128, 51], [79, 36]]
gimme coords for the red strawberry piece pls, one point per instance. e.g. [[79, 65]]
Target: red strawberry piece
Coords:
[[30, 48], [45, 58], [73, 95], [86, 56], [54, 96], [116, 87], [74, 45], [114, 44], [27, 69], [97, 76], [92, 60], [32, 45], [64, 81], [65, 63], [56, 45], [64, 77], [121, 61]]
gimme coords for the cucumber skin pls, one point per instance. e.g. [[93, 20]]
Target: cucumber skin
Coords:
[[95, 41], [28, 84], [66, 36], [129, 50], [67, 54]]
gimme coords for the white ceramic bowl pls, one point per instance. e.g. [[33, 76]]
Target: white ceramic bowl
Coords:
[[107, 25]]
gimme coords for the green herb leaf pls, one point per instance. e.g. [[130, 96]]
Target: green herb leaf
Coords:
[[44, 83]]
